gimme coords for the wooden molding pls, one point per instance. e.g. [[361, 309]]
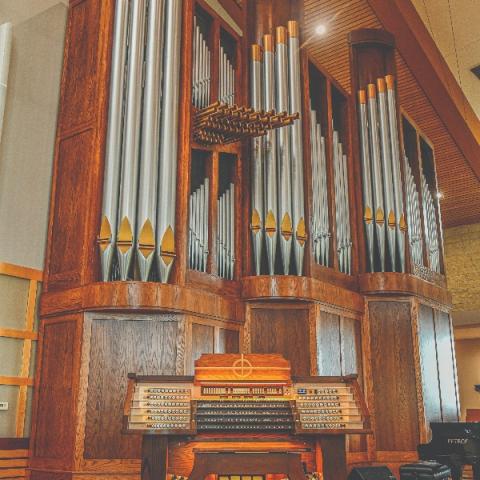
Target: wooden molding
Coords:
[[467, 332], [20, 381], [20, 272]]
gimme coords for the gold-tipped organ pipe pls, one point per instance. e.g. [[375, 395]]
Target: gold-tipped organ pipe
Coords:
[[111, 185]]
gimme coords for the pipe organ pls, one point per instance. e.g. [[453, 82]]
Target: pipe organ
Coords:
[[234, 198]]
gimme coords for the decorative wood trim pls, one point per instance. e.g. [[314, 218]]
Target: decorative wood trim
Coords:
[[467, 332], [13, 333], [31, 304], [313, 315], [20, 272], [19, 381], [300, 288], [403, 284], [422, 424]]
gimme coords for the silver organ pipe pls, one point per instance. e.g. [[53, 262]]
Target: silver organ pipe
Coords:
[[150, 141], [127, 209], [367, 180], [387, 170], [342, 213], [430, 222], [298, 207], [320, 222], [111, 185], [226, 233], [257, 181], [198, 227], [201, 68], [165, 243], [270, 152], [226, 81], [413, 217], [284, 160], [377, 177], [397, 176]]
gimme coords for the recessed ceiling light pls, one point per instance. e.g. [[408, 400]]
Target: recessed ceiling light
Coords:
[[320, 30], [439, 195]]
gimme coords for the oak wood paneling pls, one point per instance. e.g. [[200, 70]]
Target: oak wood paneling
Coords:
[[69, 228], [119, 347], [428, 364], [203, 340], [446, 367], [55, 420], [393, 376], [228, 341], [282, 331], [328, 340]]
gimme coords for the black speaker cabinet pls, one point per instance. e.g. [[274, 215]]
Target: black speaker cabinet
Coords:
[[371, 473]]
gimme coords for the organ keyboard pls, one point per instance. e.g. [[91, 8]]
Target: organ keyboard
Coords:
[[244, 400]]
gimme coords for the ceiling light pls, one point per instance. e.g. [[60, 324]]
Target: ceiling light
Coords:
[[320, 30], [439, 195]]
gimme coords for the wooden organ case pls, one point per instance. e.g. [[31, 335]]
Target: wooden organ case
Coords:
[[251, 403], [167, 241]]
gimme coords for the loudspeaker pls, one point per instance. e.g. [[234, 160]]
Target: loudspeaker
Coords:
[[371, 473]]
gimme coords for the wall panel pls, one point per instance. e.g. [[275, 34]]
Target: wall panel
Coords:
[[329, 348], [393, 376], [55, 419], [282, 331], [228, 341], [446, 367], [428, 364], [119, 347]]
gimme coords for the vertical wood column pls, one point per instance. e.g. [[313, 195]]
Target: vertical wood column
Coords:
[[154, 457]]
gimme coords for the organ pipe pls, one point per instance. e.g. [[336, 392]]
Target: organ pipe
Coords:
[[165, 243], [386, 170], [295, 98], [270, 149], [377, 176], [111, 184], [284, 160], [397, 176], [127, 209], [367, 180], [257, 181], [147, 189]]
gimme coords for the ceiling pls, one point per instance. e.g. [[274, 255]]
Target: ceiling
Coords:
[[454, 27]]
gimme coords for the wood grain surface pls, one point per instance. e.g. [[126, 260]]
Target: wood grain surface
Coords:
[[393, 372], [119, 347], [283, 331]]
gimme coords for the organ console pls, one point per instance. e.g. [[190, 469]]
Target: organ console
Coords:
[[250, 395]]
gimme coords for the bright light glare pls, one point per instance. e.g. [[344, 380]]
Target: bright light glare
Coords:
[[321, 30], [439, 195]]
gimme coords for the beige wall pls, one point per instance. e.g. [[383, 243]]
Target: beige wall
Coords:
[[468, 367], [26, 149], [462, 256]]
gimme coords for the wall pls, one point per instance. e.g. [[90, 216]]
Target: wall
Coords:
[[468, 367], [26, 149], [462, 251]]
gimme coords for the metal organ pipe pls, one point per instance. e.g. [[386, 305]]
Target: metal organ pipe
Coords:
[[367, 180], [270, 149], [387, 170], [257, 216], [284, 161], [111, 185], [147, 189], [397, 176], [298, 207], [131, 140], [377, 176], [165, 243]]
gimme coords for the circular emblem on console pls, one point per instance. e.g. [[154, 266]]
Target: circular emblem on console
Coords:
[[242, 368]]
